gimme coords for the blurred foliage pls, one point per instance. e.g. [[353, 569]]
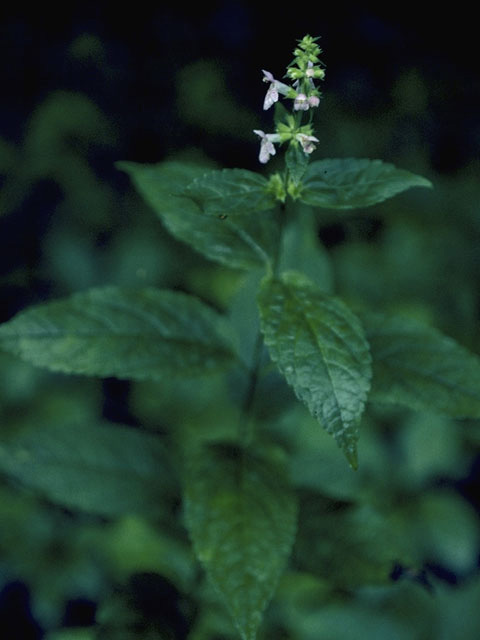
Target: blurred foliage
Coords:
[[389, 552]]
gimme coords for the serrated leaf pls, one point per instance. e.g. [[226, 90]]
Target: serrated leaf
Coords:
[[241, 515], [320, 347], [246, 242], [349, 183], [98, 468], [417, 366], [230, 192], [138, 334]]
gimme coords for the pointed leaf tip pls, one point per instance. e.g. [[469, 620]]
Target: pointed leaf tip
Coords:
[[352, 458]]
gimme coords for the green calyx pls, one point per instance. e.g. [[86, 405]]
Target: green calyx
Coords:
[[306, 63], [277, 188]]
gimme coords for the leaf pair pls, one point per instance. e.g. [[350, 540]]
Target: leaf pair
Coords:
[[216, 212]]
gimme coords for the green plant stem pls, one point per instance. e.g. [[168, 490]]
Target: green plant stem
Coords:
[[246, 430], [278, 252], [246, 422]]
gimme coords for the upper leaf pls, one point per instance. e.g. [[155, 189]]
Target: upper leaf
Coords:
[[349, 183], [297, 162], [320, 347], [242, 242], [241, 515], [417, 366], [230, 192], [102, 469], [139, 334]]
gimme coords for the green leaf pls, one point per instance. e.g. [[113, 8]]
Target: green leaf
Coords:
[[138, 334], [241, 515], [230, 192], [102, 469], [349, 183], [417, 366], [445, 530], [245, 242], [296, 161], [355, 544], [319, 346]]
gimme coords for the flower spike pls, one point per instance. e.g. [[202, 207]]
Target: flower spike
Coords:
[[303, 72]]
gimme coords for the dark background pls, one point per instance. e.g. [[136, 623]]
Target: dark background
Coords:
[[128, 66]]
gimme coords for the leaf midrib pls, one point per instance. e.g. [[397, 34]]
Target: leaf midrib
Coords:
[[310, 329]]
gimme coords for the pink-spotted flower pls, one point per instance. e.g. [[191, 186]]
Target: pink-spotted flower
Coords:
[[274, 89], [302, 103], [307, 142], [267, 147]]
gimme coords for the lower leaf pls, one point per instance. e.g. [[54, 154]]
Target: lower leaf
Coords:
[[241, 515]]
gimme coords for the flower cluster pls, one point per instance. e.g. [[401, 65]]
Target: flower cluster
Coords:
[[303, 70]]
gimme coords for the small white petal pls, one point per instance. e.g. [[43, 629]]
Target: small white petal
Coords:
[[266, 150], [301, 103], [307, 142], [271, 97], [268, 77]]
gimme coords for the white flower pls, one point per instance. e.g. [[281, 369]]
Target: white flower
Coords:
[[274, 89], [267, 147], [307, 142], [301, 103]]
